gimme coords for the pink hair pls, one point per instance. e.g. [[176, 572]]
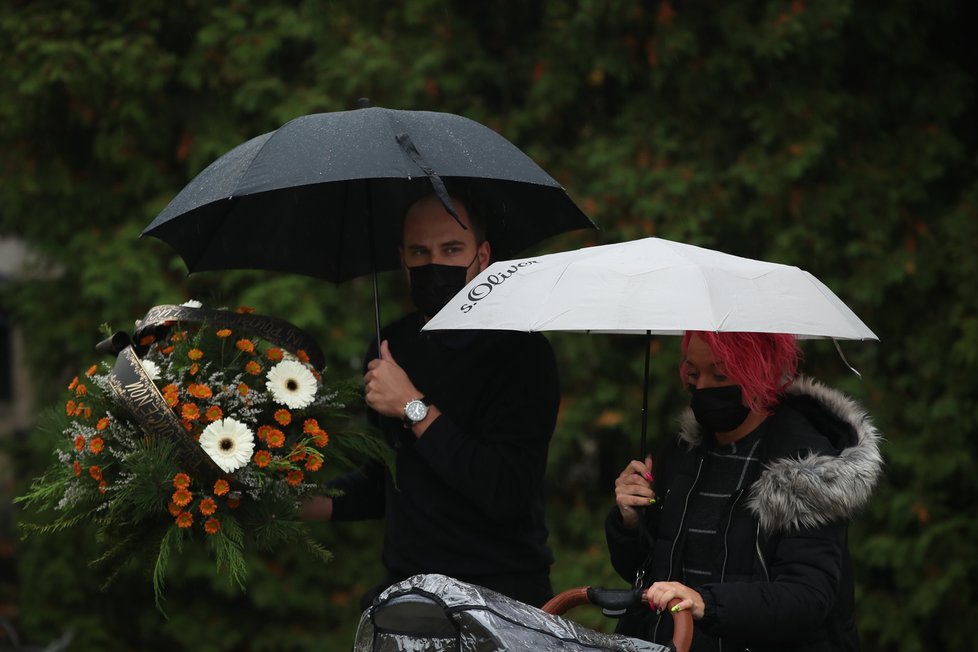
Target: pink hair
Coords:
[[763, 364]]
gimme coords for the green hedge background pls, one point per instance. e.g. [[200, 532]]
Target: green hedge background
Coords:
[[839, 136]]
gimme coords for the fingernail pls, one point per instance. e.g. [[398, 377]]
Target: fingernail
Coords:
[[651, 501], [677, 608], [648, 476]]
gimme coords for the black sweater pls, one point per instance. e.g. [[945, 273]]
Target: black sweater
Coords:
[[468, 498]]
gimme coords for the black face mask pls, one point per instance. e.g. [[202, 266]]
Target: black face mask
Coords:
[[433, 285], [718, 409]]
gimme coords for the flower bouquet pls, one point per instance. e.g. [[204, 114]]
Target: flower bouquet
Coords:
[[209, 426]]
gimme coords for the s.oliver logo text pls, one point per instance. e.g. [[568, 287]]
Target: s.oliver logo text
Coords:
[[482, 290]]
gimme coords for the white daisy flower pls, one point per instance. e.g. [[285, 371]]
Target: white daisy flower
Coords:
[[193, 303], [291, 384], [151, 368], [229, 443]]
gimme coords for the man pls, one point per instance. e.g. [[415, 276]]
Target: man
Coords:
[[470, 415]]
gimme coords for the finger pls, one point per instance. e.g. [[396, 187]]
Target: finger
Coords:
[[648, 464], [385, 351]]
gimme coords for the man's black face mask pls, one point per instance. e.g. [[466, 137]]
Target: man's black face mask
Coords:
[[433, 285], [718, 409]]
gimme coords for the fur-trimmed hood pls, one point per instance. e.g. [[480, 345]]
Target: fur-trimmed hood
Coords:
[[812, 489]]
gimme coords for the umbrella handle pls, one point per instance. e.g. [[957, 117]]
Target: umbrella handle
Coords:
[[682, 621]]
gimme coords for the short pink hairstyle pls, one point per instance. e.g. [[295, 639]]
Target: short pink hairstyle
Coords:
[[763, 364]]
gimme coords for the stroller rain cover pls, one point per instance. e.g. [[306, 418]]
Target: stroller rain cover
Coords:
[[435, 613]]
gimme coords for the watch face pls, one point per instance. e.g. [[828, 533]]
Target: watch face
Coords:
[[416, 410]]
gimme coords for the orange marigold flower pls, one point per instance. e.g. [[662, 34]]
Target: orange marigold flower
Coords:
[[166, 350], [146, 340], [70, 408], [80, 443], [185, 520], [316, 375], [221, 487], [297, 456], [243, 389], [320, 439], [102, 424], [212, 526], [174, 509], [234, 501], [253, 368], [190, 411], [224, 332], [198, 390], [91, 371], [213, 413], [84, 411], [262, 459], [103, 486], [314, 463], [76, 467], [263, 431], [95, 472], [195, 354], [302, 355], [245, 345], [73, 384], [294, 477], [181, 481], [245, 310], [283, 416], [274, 354], [81, 390], [170, 389], [207, 506], [182, 497], [194, 368], [276, 438], [96, 444], [310, 426], [187, 425], [178, 336]]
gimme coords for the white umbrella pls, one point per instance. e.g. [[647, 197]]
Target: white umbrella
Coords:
[[649, 286]]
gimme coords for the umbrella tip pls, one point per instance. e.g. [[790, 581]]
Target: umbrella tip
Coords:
[[363, 103]]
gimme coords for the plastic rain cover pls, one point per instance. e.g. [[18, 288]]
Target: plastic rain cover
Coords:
[[435, 613]]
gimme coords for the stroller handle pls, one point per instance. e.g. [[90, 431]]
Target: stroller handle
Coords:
[[682, 621]]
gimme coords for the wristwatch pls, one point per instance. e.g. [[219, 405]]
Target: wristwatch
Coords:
[[415, 411]]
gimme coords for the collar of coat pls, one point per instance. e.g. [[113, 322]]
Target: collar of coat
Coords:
[[811, 490]]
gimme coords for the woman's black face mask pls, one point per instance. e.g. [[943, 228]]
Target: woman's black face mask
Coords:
[[433, 285], [718, 409]]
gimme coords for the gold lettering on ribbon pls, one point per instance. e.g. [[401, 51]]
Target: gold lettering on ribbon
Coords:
[[131, 384]]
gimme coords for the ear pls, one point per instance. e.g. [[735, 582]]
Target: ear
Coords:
[[485, 254]]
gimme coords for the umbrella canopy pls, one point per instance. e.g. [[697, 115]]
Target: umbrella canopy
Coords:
[[324, 194], [650, 286]]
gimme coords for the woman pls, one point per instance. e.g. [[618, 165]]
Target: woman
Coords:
[[746, 520]]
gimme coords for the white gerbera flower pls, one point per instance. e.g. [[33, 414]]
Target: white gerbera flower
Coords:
[[151, 368], [193, 303], [291, 384], [229, 443]]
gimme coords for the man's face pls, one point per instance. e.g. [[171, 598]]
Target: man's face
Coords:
[[431, 235]]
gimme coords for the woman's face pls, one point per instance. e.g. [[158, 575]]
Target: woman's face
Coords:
[[701, 369]]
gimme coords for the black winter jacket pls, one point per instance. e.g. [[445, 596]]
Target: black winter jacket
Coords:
[[787, 579]]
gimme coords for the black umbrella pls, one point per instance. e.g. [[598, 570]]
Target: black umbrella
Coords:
[[324, 194]]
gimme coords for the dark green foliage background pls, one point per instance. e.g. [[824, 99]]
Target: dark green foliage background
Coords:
[[839, 136]]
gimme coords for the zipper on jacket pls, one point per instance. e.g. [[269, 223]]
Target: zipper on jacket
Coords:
[[760, 555], [679, 530], [726, 550]]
